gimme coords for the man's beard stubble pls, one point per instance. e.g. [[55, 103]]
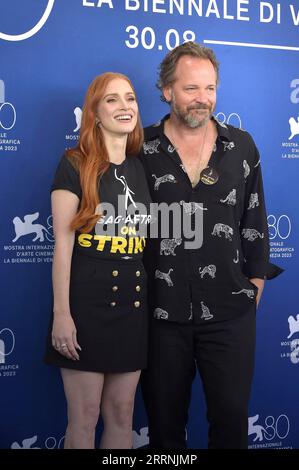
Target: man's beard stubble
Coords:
[[188, 118]]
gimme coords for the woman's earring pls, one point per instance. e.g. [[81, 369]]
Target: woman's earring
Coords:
[[98, 122]]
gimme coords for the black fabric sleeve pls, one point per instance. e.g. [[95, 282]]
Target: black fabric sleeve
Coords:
[[67, 177], [254, 226]]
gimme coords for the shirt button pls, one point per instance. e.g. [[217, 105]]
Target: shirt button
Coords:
[[138, 288], [115, 273], [115, 288], [137, 304], [112, 304], [138, 273]]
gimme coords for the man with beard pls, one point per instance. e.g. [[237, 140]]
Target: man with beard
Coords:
[[203, 300]]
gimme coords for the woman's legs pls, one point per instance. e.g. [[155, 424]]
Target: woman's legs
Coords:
[[88, 392], [83, 391], [117, 409]]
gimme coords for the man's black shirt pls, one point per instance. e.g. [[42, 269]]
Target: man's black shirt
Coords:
[[210, 283]]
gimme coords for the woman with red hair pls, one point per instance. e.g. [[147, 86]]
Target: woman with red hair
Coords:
[[100, 202]]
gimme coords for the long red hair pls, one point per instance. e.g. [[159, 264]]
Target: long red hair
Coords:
[[90, 156]]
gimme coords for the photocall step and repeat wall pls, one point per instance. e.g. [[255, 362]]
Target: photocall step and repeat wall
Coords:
[[50, 50]]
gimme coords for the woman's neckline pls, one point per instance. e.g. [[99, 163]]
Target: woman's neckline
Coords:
[[118, 164]]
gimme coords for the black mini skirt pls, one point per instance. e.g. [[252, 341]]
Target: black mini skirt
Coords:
[[108, 302]]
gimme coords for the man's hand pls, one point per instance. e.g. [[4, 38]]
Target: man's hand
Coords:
[[259, 283]]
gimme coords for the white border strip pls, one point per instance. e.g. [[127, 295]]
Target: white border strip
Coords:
[[247, 44]]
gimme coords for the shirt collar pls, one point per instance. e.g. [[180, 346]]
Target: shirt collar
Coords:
[[223, 132]]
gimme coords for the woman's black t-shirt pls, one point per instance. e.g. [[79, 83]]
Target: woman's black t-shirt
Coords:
[[124, 202]]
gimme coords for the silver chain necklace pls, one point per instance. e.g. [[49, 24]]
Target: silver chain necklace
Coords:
[[196, 178], [207, 175]]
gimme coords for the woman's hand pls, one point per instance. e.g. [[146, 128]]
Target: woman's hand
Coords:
[[64, 336]]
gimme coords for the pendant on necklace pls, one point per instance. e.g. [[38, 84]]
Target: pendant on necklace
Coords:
[[209, 175]]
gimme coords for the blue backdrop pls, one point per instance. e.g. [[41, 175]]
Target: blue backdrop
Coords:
[[49, 53]]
